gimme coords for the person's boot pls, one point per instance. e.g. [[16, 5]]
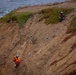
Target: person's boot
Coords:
[[17, 65]]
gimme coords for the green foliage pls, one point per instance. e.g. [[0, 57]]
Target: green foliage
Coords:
[[51, 15], [72, 26], [19, 17], [23, 17]]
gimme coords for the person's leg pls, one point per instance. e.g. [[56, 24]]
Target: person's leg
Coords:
[[17, 65]]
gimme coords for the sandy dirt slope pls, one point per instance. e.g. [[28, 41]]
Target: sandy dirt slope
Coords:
[[40, 46]]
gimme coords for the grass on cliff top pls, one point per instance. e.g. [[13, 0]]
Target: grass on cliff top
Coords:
[[72, 27], [51, 15], [19, 17]]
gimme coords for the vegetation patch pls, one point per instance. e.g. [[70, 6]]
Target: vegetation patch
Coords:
[[51, 15], [19, 17], [72, 27]]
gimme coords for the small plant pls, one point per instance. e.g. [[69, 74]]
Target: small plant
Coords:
[[51, 15], [19, 17]]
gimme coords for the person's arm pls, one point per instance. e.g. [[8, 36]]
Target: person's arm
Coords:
[[14, 59]]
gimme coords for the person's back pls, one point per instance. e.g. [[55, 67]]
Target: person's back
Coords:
[[18, 60]]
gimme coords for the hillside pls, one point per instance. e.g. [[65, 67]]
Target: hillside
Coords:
[[44, 49]]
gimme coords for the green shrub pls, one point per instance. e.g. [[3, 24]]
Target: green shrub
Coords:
[[19, 17], [51, 15]]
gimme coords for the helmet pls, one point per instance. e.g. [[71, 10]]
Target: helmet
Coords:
[[61, 12], [17, 56]]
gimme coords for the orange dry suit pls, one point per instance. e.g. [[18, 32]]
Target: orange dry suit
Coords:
[[16, 60]]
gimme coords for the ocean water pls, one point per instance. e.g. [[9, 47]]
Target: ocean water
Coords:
[[8, 5]]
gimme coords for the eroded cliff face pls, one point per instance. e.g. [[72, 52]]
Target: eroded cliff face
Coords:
[[42, 48]]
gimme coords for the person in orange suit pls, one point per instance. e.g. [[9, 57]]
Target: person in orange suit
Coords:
[[17, 60]]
